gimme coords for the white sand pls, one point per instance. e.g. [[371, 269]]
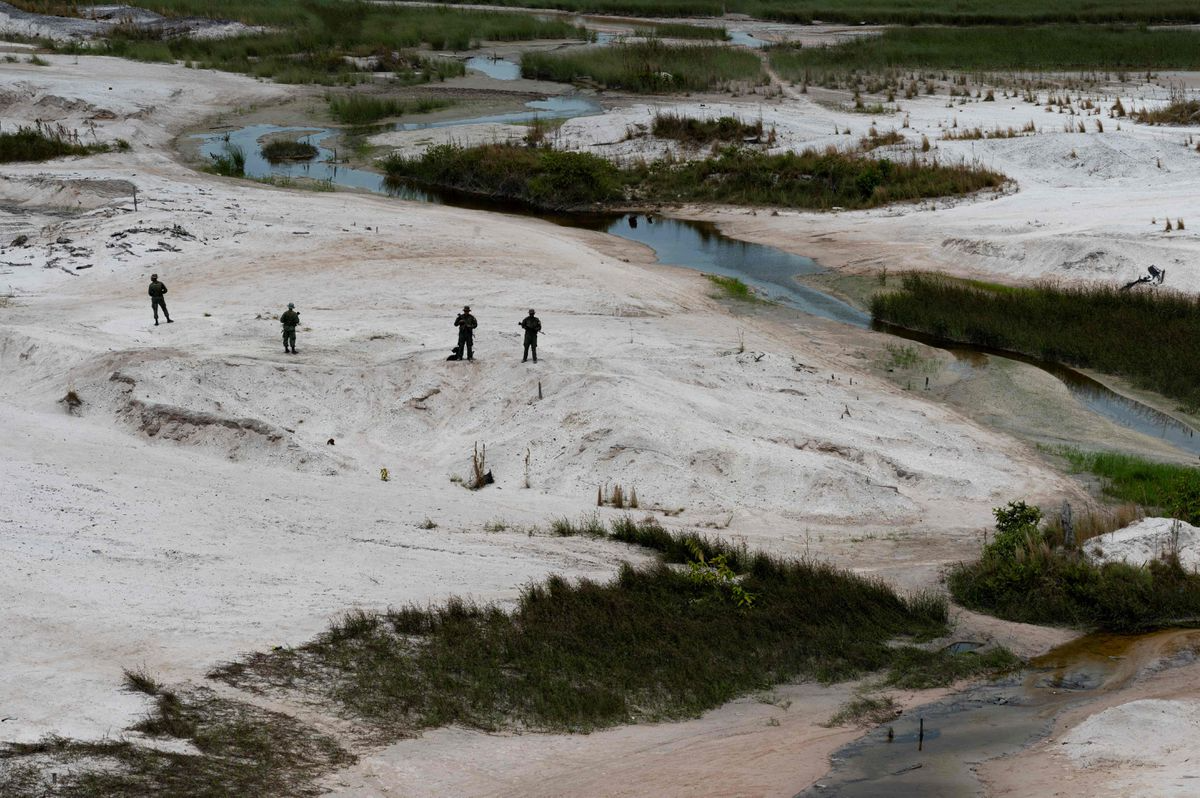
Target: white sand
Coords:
[[1146, 540]]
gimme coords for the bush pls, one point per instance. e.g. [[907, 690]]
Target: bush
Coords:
[[728, 129], [285, 150]]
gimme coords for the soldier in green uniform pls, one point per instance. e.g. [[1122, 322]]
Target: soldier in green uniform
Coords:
[[532, 326], [157, 290], [466, 325], [290, 320]]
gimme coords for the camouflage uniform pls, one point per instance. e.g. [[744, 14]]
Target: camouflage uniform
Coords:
[[290, 320], [466, 325], [532, 326], [157, 289]]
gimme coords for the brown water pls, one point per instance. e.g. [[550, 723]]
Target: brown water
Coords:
[[991, 720]]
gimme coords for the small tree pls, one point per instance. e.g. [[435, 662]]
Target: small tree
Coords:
[[1016, 525]]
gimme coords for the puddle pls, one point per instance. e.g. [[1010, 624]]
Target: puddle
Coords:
[[741, 37], [497, 68], [993, 720], [692, 245]]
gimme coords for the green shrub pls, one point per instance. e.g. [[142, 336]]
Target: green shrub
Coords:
[[647, 67], [43, 142], [287, 150]]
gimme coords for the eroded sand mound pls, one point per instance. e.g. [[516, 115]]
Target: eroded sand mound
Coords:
[[1146, 540], [1149, 733]]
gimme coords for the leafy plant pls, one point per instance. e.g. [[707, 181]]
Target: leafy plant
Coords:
[[715, 573]]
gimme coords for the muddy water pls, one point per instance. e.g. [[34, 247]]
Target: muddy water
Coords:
[[994, 719], [693, 245]]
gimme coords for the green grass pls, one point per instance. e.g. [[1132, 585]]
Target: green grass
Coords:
[[1146, 336], [229, 163], [991, 48], [658, 642], [43, 142], [647, 67], [1160, 487], [365, 109], [288, 150], [545, 178], [893, 12], [727, 129], [733, 288], [675, 30], [310, 42], [242, 751]]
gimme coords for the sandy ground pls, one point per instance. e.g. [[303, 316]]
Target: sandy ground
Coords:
[[137, 533]]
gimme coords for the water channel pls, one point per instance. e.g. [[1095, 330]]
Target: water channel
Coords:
[[694, 245]]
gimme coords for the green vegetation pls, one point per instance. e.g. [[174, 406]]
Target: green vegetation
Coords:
[[42, 142], [243, 750], [548, 179], [365, 109], [991, 48], [1149, 337], [733, 288], [1023, 576], [675, 30], [539, 177], [728, 129], [1160, 487], [655, 643], [648, 67], [230, 163], [288, 150], [319, 41]]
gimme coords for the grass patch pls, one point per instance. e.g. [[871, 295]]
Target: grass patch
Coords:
[[1179, 111], [915, 668], [362, 109], [647, 67], [692, 131], [1159, 487], [733, 288], [243, 750], [656, 643], [1065, 47], [287, 150], [865, 710], [231, 162], [1024, 576], [677, 30], [544, 178], [892, 12], [42, 143], [1148, 337], [316, 41]]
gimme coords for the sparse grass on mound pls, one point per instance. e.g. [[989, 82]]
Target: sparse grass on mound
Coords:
[[242, 751], [365, 109], [288, 150], [657, 642], [677, 30], [1147, 336], [1166, 488], [41, 143], [1180, 111], [1057, 47], [727, 129], [648, 67], [733, 288], [550, 179]]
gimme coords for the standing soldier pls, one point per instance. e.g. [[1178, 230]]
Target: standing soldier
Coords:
[[157, 301], [532, 326], [466, 325], [290, 320]]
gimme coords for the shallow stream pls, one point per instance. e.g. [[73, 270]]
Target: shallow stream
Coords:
[[693, 245]]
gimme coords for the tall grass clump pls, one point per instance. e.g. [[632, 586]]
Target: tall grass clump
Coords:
[[647, 67], [42, 142], [1179, 111], [230, 162], [728, 129], [1166, 488], [365, 109], [1148, 337], [676, 30], [1022, 576], [539, 177], [1066, 47], [655, 643], [286, 150], [818, 180]]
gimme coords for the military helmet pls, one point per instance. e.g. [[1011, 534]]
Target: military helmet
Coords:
[[154, 277], [291, 306]]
